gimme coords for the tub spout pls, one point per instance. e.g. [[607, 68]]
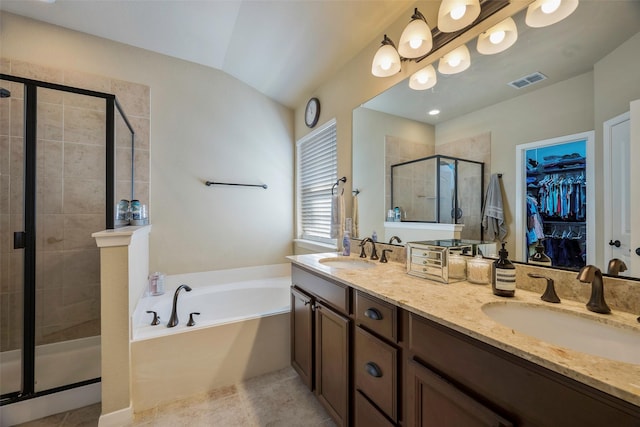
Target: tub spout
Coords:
[[173, 320]]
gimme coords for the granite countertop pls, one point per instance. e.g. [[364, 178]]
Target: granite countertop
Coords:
[[458, 306]]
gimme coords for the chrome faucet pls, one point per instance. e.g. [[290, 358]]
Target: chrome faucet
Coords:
[[396, 238], [173, 320], [593, 275], [374, 254], [616, 266]]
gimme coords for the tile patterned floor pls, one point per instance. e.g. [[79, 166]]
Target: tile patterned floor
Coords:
[[278, 399]]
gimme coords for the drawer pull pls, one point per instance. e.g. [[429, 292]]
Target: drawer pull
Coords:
[[373, 369], [373, 314]]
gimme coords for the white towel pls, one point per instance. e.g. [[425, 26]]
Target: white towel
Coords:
[[493, 213], [355, 226], [337, 215]]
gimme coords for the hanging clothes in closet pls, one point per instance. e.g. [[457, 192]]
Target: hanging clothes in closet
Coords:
[[557, 206]]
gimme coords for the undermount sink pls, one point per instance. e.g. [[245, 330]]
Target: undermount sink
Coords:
[[347, 263], [571, 330]]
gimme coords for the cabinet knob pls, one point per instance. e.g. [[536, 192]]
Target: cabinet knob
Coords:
[[373, 314], [638, 251], [373, 369]]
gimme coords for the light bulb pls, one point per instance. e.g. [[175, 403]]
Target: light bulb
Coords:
[[497, 37], [454, 60], [434, 112], [458, 11], [385, 64], [415, 43], [422, 78], [550, 6]]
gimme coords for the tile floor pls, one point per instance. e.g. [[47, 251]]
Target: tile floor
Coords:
[[275, 399]]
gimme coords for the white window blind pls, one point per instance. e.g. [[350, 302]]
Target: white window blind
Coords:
[[317, 172]]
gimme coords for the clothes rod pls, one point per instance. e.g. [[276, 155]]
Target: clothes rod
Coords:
[[210, 183]]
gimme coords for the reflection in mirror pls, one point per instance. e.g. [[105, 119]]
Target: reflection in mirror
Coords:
[[590, 73]]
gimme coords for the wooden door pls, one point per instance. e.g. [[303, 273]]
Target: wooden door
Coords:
[[302, 335], [332, 362], [434, 402]]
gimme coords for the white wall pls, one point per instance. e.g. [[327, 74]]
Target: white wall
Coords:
[[205, 125]]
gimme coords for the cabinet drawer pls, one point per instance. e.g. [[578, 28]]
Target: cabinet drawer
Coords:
[[367, 415], [335, 294], [375, 371], [377, 315]]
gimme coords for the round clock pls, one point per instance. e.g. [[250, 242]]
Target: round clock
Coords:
[[312, 112]]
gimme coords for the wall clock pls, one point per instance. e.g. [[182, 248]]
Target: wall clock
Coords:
[[312, 112]]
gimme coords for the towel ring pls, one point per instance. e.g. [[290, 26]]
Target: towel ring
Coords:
[[343, 180]]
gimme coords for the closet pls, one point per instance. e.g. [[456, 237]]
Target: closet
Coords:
[[556, 202]]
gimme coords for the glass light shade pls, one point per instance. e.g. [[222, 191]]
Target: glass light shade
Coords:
[[416, 40], [423, 79], [386, 62], [489, 45], [455, 61], [542, 13], [449, 19]]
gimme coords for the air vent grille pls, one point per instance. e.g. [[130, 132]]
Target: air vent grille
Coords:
[[527, 80]]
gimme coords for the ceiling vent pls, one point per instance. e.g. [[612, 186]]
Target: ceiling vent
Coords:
[[527, 80]]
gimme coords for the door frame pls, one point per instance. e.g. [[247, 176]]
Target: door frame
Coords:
[[521, 190]]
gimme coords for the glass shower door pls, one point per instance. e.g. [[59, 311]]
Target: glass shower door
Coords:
[[11, 220], [70, 206]]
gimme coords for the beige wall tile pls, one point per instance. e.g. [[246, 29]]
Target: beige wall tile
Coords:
[[50, 96], [5, 191], [50, 232], [50, 270], [5, 113], [141, 127], [78, 229], [133, 97], [50, 160], [123, 164], [84, 101], [49, 195], [141, 165], [16, 194], [16, 127], [123, 133], [5, 154], [84, 196], [141, 192], [81, 267], [84, 161], [5, 66], [36, 72], [87, 81], [84, 126]]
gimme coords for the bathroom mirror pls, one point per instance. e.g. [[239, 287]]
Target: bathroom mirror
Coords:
[[566, 74]]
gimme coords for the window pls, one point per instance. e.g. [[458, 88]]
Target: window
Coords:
[[316, 164]]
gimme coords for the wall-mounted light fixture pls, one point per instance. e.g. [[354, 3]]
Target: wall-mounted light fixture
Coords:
[[416, 39], [387, 60], [454, 15], [455, 61], [542, 13], [498, 38], [423, 79]]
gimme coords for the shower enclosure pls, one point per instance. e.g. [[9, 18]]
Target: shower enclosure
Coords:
[[66, 157], [440, 189]]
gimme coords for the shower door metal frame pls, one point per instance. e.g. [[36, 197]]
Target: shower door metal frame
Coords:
[[30, 157]]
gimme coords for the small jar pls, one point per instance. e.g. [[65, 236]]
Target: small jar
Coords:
[[156, 284], [479, 270], [457, 267]]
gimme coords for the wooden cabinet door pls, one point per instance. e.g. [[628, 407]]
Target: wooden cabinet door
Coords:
[[332, 362], [433, 401], [302, 335]]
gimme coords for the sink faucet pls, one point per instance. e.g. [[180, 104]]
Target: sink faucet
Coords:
[[173, 320], [549, 294], [593, 275], [616, 266], [374, 254], [396, 238]]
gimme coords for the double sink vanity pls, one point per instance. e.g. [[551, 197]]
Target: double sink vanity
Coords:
[[382, 348]]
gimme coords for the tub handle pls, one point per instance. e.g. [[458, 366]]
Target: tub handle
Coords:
[[156, 318], [192, 322]]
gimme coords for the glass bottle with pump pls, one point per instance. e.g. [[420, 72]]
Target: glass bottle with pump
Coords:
[[504, 275]]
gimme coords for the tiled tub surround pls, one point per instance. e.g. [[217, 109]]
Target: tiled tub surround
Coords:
[[458, 306], [71, 131]]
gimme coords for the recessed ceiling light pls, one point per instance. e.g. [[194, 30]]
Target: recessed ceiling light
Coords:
[[434, 112], [48, 1]]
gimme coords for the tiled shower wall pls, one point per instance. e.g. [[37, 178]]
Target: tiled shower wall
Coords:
[[71, 188]]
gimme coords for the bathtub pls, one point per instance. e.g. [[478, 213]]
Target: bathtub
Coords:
[[242, 331]]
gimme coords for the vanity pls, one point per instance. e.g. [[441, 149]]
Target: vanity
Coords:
[[382, 348]]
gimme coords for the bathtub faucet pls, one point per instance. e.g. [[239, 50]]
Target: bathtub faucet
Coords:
[[173, 320]]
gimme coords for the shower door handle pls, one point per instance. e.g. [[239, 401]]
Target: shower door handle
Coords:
[[18, 239]]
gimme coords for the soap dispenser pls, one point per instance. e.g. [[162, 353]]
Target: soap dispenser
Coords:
[[540, 258], [504, 275]]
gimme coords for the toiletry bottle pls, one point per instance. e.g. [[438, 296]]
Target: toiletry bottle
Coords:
[[540, 258], [346, 240], [390, 215], [504, 275], [374, 236], [397, 217]]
